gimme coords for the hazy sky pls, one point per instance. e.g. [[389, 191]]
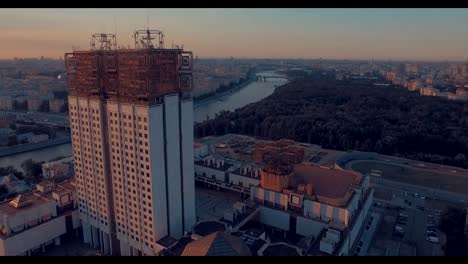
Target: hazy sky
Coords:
[[421, 34]]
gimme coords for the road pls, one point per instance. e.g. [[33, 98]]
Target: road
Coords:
[[9, 151], [420, 190], [53, 119]]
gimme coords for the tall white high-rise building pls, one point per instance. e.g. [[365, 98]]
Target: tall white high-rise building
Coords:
[[131, 116]]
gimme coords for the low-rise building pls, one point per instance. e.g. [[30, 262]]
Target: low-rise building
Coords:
[[56, 105], [6, 103], [34, 221], [59, 168], [34, 104], [293, 189]]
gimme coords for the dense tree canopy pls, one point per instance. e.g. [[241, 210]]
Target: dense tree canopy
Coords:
[[354, 115], [32, 170], [10, 169]]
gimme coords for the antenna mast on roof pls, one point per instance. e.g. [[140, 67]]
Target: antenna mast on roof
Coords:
[[105, 41], [144, 39]]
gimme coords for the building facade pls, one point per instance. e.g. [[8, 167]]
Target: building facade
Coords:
[[32, 222], [131, 116]]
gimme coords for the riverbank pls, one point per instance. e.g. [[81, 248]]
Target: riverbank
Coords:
[[219, 95], [251, 93], [9, 151]]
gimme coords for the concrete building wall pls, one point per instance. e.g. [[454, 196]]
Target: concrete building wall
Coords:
[[267, 196], [88, 154], [351, 238], [33, 238], [237, 179], [219, 175], [174, 181], [132, 177], [309, 227], [16, 222], [275, 218], [188, 181], [158, 174], [317, 210]]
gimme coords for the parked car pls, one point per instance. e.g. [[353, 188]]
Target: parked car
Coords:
[[399, 234], [433, 239], [401, 222]]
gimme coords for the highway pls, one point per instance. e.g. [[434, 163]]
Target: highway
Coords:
[[399, 187], [421, 190]]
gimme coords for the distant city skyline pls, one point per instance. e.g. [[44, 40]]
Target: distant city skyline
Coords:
[[380, 34]]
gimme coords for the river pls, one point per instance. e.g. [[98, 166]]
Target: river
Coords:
[[253, 92]]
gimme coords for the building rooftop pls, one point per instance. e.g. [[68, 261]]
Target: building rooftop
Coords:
[[217, 244], [10, 208], [326, 182], [24, 202]]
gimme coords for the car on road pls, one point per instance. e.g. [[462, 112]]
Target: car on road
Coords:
[[431, 233], [433, 239]]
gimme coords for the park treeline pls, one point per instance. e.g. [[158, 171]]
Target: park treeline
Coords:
[[354, 115]]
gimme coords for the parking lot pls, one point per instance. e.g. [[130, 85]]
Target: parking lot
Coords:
[[409, 226]]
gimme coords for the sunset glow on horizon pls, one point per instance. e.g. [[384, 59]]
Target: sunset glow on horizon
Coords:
[[397, 34]]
